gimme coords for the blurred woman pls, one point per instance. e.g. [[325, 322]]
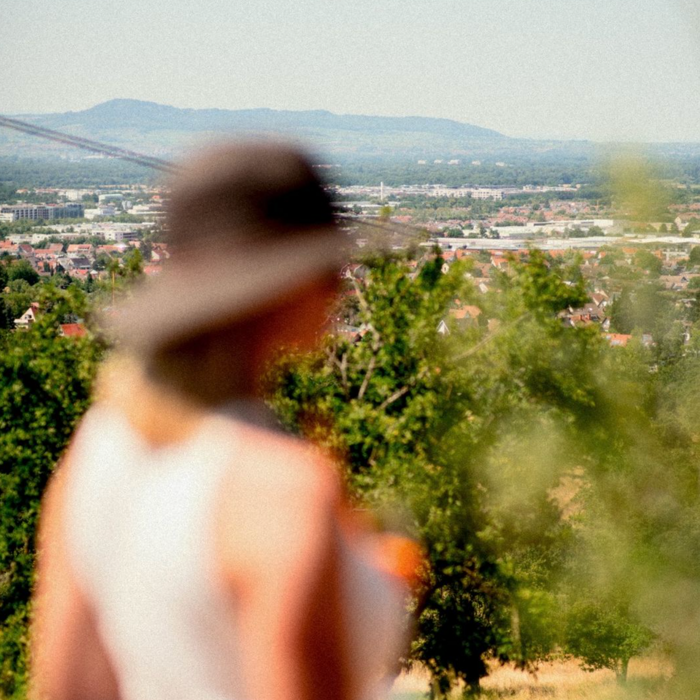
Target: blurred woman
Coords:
[[188, 548]]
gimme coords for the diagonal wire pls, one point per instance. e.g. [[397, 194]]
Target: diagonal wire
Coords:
[[89, 145], [385, 228]]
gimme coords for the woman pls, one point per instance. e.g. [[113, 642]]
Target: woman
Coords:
[[187, 548]]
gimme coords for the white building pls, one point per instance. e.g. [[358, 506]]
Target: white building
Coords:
[[120, 235], [487, 193]]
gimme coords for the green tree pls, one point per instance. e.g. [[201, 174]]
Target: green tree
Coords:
[[146, 249], [693, 226], [645, 307], [45, 382], [446, 438], [604, 635], [646, 260], [133, 264], [22, 269], [694, 257]]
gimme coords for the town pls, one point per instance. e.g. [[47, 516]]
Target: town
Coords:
[[87, 236]]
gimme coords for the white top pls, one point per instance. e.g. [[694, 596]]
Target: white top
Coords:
[[140, 534]]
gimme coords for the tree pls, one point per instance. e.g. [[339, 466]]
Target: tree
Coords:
[[22, 269], [646, 260], [45, 382], [602, 635], [146, 249], [644, 306], [694, 257], [693, 226], [133, 264], [446, 438]]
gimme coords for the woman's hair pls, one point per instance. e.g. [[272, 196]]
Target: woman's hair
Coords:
[[227, 361], [210, 368]]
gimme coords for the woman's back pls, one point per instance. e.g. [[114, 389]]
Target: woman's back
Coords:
[[140, 536]]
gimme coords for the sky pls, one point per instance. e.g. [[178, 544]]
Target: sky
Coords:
[[604, 70]]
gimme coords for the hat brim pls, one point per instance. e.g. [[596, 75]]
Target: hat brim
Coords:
[[194, 295]]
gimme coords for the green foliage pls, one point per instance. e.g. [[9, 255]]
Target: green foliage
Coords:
[[645, 307], [449, 438], [694, 257], [637, 189], [22, 270], [553, 479], [17, 173], [133, 264], [604, 636], [45, 385], [693, 226], [646, 260], [385, 213]]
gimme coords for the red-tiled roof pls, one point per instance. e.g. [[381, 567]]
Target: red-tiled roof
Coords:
[[73, 330]]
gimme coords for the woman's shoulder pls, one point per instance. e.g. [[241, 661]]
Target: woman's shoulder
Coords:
[[277, 500], [272, 460]]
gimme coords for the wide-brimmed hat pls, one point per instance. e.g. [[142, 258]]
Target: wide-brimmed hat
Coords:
[[246, 223]]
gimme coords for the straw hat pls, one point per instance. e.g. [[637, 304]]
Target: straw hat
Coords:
[[246, 224]]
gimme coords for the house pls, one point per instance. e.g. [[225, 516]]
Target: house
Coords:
[[72, 330], [80, 263], [617, 339], [44, 254], [590, 313], [27, 319], [355, 271], [467, 314], [461, 317], [600, 299], [110, 250], [676, 283], [79, 249], [9, 248], [159, 253]]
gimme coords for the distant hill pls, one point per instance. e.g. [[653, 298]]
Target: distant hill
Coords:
[[150, 116], [156, 128], [165, 131]]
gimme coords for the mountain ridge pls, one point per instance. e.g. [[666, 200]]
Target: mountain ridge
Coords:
[[124, 113]]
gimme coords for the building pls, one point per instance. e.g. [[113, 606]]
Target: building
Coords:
[[120, 235], [26, 320], [35, 212], [100, 210], [487, 193]]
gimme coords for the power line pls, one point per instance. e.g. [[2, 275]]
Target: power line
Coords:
[[89, 145], [170, 167]]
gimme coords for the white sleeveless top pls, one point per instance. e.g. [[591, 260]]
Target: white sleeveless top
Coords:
[[141, 543], [140, 538]]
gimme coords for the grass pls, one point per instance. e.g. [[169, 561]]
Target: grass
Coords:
[[559, 680]]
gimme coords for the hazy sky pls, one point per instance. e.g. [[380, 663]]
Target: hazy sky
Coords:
[[595, 69]]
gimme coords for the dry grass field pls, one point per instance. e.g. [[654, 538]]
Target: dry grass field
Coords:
[[559, 680]]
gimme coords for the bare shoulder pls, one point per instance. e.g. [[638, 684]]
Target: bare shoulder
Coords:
[[273, 460], [275, 502]]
